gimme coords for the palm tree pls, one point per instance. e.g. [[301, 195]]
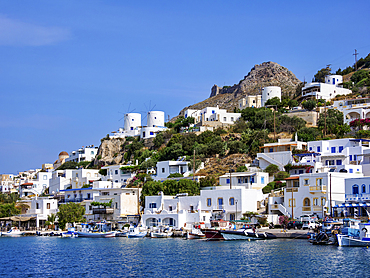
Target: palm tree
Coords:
[[51, 220]]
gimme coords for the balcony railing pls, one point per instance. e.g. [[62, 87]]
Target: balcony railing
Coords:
[[358, 197], [295, 189], [74, 200], [318, 188], [103, 210], [306, 208]]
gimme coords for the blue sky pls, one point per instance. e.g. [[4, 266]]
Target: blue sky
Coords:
[[70, 69]]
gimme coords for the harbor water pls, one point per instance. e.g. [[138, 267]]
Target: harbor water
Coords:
[[174, 257]]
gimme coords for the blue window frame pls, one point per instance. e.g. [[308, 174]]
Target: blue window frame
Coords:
[[350, 157], [153, 205], [262, 180], [231, 201], [340, 149], [252, 179], [363, 188], [355, 157], [351, 171], [209, 202], [333, 149], [318, 149], [239, 180], [339, 162], [271, 150], [355, 189], [227, 180], [310, 148]]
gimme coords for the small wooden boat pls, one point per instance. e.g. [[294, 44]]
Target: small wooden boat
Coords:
[[195, 234], [134, 232]]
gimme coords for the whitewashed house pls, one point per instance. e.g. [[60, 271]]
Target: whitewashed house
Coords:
[[35, 186], [328, 90], [118, 175], [40, 209], [353, 109], [250, 101], [87, 153], [165, 168], [250, 180], [60, 180], [279, 153]]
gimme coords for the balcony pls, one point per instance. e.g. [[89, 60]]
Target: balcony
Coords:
[[74, 200], [103, 210], [306, 208], [363, 197], [318, 189], [290, 189]]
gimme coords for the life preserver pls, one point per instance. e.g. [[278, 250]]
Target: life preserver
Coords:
[[364, 230], [230, 226]]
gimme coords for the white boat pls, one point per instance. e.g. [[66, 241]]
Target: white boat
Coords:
[[13, 232], [100, 229], [161, 232], [362, 240], [70, 233], [134, 232], [195, 234]]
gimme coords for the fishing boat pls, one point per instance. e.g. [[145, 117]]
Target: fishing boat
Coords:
[[13, 232], [161, 232], [195, 234], [70, 233], [134, 232], [360, 239], [100, 229], [327, 233]]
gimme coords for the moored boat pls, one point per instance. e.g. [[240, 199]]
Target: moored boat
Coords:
[[95, 230], [161, 232], [13, 232], [134, 232], [362, 240], [195, 234]]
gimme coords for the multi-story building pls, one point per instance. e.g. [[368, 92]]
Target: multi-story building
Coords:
[[87, 153], [118, 175], [35, 186], [250, 101], [328, 90], [353, 109]]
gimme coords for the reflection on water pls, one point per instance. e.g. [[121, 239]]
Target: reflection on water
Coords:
[[120, 257]]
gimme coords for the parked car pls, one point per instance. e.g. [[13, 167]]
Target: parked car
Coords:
[[294, 225]]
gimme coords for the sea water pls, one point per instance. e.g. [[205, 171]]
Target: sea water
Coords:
[[175, 257]]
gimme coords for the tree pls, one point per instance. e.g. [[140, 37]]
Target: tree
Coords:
[[272, 169], [320, 75], [175, 175], [308, 134], [309, 104], [8, 209], [360, 75], [70, 213], [242, 168], [208, 181], [281, 175], [333, 120]]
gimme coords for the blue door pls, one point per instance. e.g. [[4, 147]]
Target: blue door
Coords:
[[220, 203]]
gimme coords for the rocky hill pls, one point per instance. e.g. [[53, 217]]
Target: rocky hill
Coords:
[[265, 74]]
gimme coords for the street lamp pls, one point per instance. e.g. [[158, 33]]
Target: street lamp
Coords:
[[236, 209]]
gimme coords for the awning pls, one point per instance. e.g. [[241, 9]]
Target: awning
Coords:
[[18, 218], [306, 154]]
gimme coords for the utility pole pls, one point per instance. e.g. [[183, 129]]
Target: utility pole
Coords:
[[325, 120], [194, 166], [330, 197], [356, 53], [292, 201], [230, 179]]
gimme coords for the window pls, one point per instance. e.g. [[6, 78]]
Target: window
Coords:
[[163, 170], [340, 149], [318, 149], [252, 179], [47, 205], [232, 119], [262, 180], [45, 177], [209, 202], [271, 150], [116, 205], [90, 207], [151, 133], [232, 216], [363, 188], [355, 189], [116, 172], [355, 157], [170, 208], [228, 181], [350, 157], [315, 202], [300, 172], [306, 182], [224, 119], [37, 206], [339, 162], [231, 201], [323, 201], [310, 148], [351, 171], [319, 181], [220, 202], [239, 180], [152, 205], [290, 202], [88, 196], [192, 208], [106, 193]]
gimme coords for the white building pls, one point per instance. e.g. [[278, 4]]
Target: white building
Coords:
[[82, 176], [87, 153], [124, 201], [279, 153], [353, 109], [357, 198], [176, 211], [250, 180], [250, 101], [311, 194], [60, 180], [212, 114], [328, 90], [269, 93], [165, 168], [7, 184], [40, 209], [119, 177], [35, 186]]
